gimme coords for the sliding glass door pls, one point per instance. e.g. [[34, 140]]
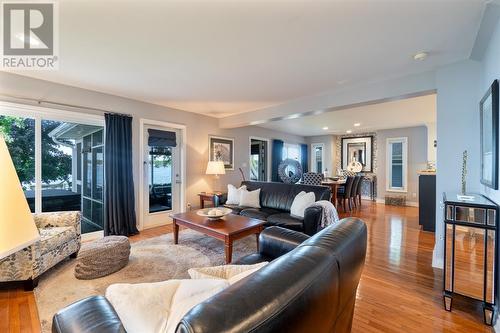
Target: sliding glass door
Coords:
[[59, 158]]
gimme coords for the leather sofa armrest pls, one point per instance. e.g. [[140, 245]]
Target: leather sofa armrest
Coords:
[[222, 199], [312, 219], [276, 241], [92, 314]]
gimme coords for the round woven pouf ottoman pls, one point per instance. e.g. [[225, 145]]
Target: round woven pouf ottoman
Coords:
[[102, 257]]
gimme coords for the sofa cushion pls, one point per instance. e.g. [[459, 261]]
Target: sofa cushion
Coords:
[[280, 196], [235, 208], [51, 238], [285, 220], [260, 214]]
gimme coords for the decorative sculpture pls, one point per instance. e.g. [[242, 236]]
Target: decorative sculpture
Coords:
[[290, 171]]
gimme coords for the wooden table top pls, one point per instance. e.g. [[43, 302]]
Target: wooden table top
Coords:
[[228, 225]]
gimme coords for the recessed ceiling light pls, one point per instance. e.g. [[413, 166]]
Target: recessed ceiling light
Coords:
[[325, 128], [420, 56], [357, 124], [348, 131]]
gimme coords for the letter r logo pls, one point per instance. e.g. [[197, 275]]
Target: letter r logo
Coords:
[[28, 29]]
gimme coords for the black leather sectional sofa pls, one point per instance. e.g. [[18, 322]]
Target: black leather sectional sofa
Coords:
[[309, 286], [276, 200]]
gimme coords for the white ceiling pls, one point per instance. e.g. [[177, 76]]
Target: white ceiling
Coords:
[[227, 57], [396, 114]]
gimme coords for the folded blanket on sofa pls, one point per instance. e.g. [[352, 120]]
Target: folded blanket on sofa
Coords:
[[330, 214], [158, 307]]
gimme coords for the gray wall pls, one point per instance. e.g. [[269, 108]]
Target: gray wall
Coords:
[[329, 142], [417, 156], [199, 127], [417, 159], [457, 130]]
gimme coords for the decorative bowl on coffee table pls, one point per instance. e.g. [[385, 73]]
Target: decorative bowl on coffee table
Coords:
[[214, 213]]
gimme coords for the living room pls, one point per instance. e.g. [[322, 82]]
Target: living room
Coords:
[[161, 164]]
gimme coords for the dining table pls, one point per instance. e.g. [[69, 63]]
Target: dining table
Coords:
[[334, 186]]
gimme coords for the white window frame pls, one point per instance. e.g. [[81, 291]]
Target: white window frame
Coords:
[[390, 141], [313, 156], [39, 113], [268, 157]]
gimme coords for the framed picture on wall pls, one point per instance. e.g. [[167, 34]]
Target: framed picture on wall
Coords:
[[221, 149], [357, 149], [488, 109]]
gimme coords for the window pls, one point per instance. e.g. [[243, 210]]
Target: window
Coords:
[[291, 151], [397, 164], [59, 158], [19, 134], [317, 157]]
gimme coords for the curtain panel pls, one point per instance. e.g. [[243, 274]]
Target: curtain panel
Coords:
[[277, 158], [119, 196], [304, 158]]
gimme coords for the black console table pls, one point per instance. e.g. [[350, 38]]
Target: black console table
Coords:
[[427, 201], [470, 250]]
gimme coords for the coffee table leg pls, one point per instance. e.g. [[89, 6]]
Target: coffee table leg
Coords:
[[176, 232], [228, 247]]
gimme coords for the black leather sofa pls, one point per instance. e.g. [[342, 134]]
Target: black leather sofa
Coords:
[[276, 200], [309, 286]]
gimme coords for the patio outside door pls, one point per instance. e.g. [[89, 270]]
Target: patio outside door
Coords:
[[162, 180]]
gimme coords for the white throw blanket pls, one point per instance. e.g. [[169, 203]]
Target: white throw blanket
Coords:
[[330, 214]]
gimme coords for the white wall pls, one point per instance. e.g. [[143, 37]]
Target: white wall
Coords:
[[199, 127], [417, 160]]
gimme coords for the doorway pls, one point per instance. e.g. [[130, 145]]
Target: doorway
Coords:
[[259, 159], [161, 174]]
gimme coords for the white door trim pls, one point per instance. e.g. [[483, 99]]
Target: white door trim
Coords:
[[268, 157], [183, 129], [313, 156]]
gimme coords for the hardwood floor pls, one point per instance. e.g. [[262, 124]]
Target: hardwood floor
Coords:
[[399, 290]]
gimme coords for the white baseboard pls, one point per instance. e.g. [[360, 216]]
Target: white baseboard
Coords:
[[437, 261], [408, 203]]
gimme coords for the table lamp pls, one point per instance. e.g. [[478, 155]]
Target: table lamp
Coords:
[[215, 168], [17, 227]]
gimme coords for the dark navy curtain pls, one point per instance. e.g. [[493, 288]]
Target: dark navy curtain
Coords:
[[277, 158], [119, 196], [304, 160]]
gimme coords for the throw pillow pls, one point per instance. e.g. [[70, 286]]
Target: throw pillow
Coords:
[[301, 202], [250, 198], [233, 194], [146, 307], [230, 273]]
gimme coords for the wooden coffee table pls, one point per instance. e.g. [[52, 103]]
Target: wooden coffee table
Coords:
[[228, 229]]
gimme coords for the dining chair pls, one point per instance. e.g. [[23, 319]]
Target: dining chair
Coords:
[[358, 191], [344, 195], [312, 178], [354, 191]]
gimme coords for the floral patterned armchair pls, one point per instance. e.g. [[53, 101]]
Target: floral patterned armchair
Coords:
[[59, 238]]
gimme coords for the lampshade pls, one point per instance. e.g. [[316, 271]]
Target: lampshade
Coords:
[[215, 168], [17, 227]]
